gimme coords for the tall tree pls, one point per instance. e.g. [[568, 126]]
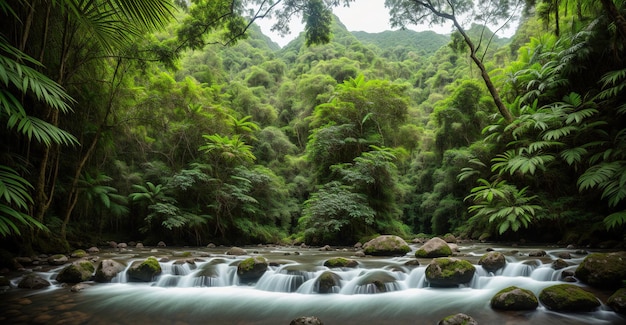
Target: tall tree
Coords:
[[405, 12]]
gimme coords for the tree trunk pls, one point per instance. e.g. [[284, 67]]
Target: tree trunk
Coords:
[[613, 12], [504, 111]]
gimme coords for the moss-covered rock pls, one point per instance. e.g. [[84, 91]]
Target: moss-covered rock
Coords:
[[492, 261], [58, 259], [514, 298], [33, 281], [434, 247], [251, 269], [79, 253], [327, 282], [144, 271], [458, 319], [617, 301], [386, 245], [340, 262], [107, 270], [603, 270], [568, 297], [76, 272], [449, 272]]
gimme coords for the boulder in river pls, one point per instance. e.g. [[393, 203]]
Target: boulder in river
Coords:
[[58, 259], [375, 282], [458, 319], [449, 272], [568, 297], [434, 247], [340, 262], [33, 281], [236, 251], [386, 245], [603, 270], [251, 269], [492, 261], [617, 301], [144, 271], [327, 282], [76, 272], [514, 298], [107, 270]]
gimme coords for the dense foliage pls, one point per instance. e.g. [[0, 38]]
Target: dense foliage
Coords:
[[162, 121]]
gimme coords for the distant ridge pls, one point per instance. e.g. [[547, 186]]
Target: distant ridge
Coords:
[[427, 42]]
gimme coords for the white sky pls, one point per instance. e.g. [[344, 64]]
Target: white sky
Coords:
[[368, 15]]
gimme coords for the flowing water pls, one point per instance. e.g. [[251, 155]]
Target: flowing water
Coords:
[[378, 291]]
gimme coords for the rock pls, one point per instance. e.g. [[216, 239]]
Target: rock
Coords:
[[568, 297], [210, 245], [79, 287], [33, 281], [581, 252], [617, 301], [449, 238], [449, 272], [24, 260], [538, 253], [161, 244], [76, 272], [306, 320], [122, 245], [58, 259], [514, 298], [435, 247], [386, 245], [412, 263], [113, 244], [559, 264], [358, 245], [327, 282], [237, 251], [492, 261], [458, 319], [603, 270], [79, 253], [251, 269], [359, 254], [340, 262], [454, 247], [139, 246], [144, 271], [303, 246], [571, 246], [326, 248], [107, 270], [93, 250], [564, 255]]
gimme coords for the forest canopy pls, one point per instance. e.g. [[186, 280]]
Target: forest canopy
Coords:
[[181, 122]]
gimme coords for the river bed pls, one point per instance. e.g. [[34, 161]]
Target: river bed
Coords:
[[181, 295]]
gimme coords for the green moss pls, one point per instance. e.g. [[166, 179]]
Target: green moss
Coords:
[[248, 263], [339, 262], [568, 297], [443, 251], [79, 253], [86, 265], [514, 298]]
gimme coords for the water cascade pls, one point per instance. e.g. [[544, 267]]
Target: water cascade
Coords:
[[378, 291]]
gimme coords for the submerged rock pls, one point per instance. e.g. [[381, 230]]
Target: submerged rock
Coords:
[[603, 270], [33, 281], [568, 297], [375, 282], [514, 298], [617, 301], [107, 270], [76, 272], [458, 319], [386, 245], [449, 272], [306, 320], [492, 261], [327, 282], [144, 271], [435, 247], [251, 269]]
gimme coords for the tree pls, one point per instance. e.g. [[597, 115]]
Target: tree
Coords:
[[405, 12]]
